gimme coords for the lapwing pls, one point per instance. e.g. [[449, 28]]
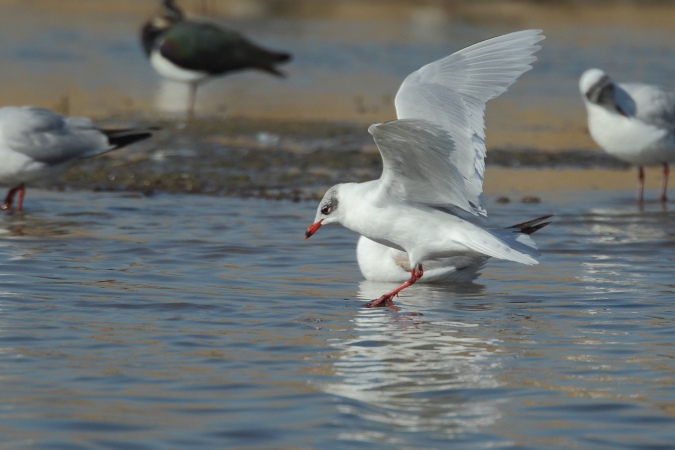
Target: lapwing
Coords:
[[193, 52]]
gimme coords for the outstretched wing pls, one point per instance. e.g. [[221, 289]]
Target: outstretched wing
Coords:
[[452, 92], [418, 164]]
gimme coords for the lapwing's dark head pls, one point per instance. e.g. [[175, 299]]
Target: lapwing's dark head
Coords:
[[172, 12], [169, 15]]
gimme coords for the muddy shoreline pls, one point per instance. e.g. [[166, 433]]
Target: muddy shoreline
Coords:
[[275, 159]]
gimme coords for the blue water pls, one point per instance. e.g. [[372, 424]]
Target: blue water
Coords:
[[203, 322]]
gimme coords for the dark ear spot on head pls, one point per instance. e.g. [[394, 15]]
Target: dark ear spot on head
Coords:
[[330, 204]]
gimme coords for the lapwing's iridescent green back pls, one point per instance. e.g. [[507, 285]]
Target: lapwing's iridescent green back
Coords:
[[206, 47]]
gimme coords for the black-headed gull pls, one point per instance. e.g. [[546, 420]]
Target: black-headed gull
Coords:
[[428, 201], [192, 52], [37, 144], [378, 262], [633, 121]]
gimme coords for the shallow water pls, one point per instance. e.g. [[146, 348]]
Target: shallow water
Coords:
[[209, 322]]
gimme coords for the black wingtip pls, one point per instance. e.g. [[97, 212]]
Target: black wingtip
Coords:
[[121, 138], [284, 57], [532, 226]]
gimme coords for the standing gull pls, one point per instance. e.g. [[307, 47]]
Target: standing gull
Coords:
[[633, 121], [428, 201], [37, 145], [193, 52]]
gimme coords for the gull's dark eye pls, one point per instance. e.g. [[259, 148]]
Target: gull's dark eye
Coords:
[[325, 210]]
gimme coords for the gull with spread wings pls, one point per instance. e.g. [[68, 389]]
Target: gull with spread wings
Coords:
[[428, 201]]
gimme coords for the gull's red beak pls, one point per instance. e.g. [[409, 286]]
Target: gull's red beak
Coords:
[[312, 229]]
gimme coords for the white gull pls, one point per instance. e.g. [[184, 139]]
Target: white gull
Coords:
[[38, 145], [428, 201], [633, 121]]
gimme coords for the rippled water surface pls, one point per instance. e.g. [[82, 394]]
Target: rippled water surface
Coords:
[[194, 321], [204, 322]]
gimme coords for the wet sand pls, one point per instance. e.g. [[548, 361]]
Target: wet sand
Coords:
[[540, 181], [300, 160]]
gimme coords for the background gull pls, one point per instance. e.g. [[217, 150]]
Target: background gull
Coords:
[[37, 145], [633, 121]]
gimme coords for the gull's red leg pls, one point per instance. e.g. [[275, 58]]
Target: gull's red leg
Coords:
[[8, 199], [641, 184], [21, 189], [22, 194], [664, 182], [387, 299]]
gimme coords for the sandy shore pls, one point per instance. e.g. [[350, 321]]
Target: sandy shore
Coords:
[[299, 161], [534, 181]]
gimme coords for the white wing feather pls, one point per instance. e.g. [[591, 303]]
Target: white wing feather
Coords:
[[452, 93], [417, 164]]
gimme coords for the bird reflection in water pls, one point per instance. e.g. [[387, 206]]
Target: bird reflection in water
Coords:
[[414, 374]]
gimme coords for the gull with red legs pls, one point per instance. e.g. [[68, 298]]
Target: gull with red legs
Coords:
[[428, 202]]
